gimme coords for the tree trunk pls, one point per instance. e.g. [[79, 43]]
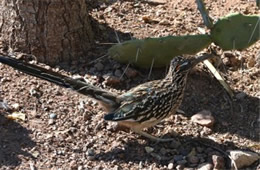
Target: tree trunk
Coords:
[[51, 30]]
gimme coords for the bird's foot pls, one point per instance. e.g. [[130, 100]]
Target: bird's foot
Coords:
[[153, 138]]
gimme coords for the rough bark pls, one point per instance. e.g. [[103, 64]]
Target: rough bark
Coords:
[[51, 30]]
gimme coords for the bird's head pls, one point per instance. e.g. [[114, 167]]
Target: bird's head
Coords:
[[180, 65]]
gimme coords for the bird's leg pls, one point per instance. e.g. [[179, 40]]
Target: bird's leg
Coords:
[[156, 139]]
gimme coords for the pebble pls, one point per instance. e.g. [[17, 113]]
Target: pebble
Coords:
[[140, 165], [185, 151], [199, 149], [203, 118], [92, 70], [175, 144], [178, 158], [192, 152], [4, 105], [170, 165], [149, 149], [205, 166], [163, 151], [193, 159], [218, 162], [241, 95], [182, 162], [231, 59], [243, 158], [111, 80], [52, 116], [90, 152], [118, 73], [51, 121], [131, 73], [99, 66], [116, 167], [15, 106], [179, 167], [206, 131], [251, 62]]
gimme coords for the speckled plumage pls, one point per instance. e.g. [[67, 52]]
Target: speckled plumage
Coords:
[[141, 107]]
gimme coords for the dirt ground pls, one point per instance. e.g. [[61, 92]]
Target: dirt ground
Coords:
[[66, 130]]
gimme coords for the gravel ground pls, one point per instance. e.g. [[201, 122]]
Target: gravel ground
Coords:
[[66, 130]]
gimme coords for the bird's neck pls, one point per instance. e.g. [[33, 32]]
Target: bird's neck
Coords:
[[177, 78]]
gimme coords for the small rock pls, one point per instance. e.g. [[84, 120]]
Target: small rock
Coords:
[[203, 118], [170, 165], [32, 166], [178, 158], [192, 152], [4, 105], [179, 167], [116, 167], [118, 73], [90, 152], [15, 106], [92, 70], [175, 144], [99, 66], [199, 149], [33, 92], [111, 80], [149, 149], [193, 159], [205, 166], [206, 131], [163, 151], [251, 62], [243, 158], [182, 162], [53, 116], [218, 162], [157, 156], [51, 121], [164, 22], [131, 73], [231, 59], [241, 95], [185, 151], [140, 165]]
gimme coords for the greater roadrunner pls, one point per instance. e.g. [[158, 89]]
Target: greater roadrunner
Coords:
[[141, 107]]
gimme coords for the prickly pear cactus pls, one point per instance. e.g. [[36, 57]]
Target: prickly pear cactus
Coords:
[[236, 31], [157, 51]]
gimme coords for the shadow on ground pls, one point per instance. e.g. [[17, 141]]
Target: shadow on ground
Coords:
[[14, 141], [134, 152]]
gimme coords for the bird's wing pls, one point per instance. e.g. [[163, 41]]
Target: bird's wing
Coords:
[[135, 103]]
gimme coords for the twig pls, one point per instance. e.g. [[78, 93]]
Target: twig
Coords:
[[218, 77], [206, 18], [150, 72], [124, 71], [93, 61]]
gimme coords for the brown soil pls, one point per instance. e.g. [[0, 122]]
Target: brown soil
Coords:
[[79, 138]]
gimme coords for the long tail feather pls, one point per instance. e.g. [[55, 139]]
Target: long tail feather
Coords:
[[108, 99]]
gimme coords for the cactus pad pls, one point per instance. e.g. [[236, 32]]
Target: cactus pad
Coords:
[[236, 31], [159, 51]]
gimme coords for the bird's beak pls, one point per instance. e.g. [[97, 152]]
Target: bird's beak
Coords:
[[199, 59]]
